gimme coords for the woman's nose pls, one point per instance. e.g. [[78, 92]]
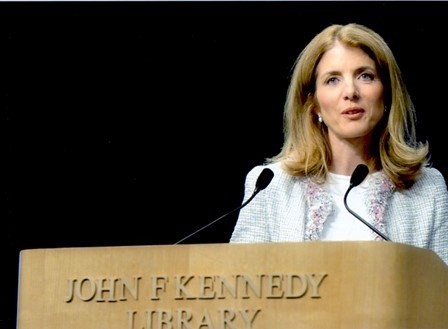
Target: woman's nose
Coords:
[[351, 91]]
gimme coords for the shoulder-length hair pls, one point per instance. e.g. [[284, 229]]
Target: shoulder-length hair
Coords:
[[395, 149]]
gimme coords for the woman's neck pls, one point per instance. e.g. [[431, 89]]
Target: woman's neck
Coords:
[[346, 155]]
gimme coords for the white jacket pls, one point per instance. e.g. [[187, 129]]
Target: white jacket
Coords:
[[295, 209]]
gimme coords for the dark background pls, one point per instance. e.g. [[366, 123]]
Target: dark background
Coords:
[[134, 123]]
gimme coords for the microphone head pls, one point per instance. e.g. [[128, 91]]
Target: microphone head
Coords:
[[359, 174], [264, 179]]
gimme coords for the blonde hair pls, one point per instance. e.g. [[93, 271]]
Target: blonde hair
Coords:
[[306, 149]]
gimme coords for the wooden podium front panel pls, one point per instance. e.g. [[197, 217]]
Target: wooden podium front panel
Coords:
[[313, 285]]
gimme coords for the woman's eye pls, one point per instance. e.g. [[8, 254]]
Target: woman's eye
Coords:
[[332, 81], [367, 76]]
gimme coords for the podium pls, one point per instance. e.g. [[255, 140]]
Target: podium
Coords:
[[312, 285]]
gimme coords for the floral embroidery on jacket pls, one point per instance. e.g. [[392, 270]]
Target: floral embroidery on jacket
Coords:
[[321, 204], [380, 189]]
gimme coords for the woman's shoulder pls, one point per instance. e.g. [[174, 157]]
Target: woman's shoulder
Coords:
[[432, 174], [431, 178], [275, 167], [281, 182]]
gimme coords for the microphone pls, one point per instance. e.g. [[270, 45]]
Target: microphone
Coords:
[[263, 180], [359, 174]]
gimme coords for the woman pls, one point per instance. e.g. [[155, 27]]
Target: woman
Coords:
[[348, 105]]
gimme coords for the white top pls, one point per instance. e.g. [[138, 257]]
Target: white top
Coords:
[[342, 225]]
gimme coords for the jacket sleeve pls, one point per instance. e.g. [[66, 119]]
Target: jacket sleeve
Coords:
[[439, 241], [251, 225]]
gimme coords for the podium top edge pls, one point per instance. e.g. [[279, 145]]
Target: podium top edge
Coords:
[[228, 245]]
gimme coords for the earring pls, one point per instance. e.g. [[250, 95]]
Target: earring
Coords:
[[385, 108], [319, 118]]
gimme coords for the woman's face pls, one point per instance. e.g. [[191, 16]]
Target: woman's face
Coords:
[[349, 93]]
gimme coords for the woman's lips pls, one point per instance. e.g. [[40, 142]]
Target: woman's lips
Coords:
[[353, 113]]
